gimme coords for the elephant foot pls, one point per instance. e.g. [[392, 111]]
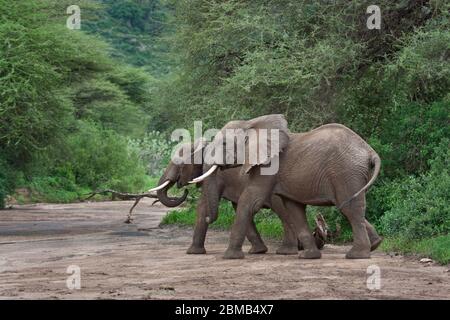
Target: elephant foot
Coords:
[[258, 249], [375, 243], [286, 249], [356, 253], [311, 254], [233, 254], [196, 250], [319, 243]]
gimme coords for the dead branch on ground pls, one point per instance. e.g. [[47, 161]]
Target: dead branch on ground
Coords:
[[125, 196]]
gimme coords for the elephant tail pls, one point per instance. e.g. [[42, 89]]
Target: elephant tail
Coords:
[[375, 162]]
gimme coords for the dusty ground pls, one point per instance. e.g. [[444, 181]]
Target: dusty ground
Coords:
[[39, 242]]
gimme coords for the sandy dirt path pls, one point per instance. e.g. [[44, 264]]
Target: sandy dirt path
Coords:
[[143, 261]]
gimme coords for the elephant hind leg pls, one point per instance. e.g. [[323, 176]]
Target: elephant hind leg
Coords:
[[355, 211]]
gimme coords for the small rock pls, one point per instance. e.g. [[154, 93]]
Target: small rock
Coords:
[[426, 260]]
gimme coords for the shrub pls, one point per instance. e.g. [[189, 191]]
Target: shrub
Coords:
[[418, 205], [101, 158], [411, 134], [437, 248], [54, 189], [154, 151]]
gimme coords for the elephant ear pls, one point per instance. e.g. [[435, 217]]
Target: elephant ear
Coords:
[[274, 131]]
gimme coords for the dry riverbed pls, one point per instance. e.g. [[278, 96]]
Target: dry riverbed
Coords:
[[38, 243]]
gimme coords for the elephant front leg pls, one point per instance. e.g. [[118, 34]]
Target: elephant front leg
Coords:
[[200, 229], [244, 216], [250, 201]]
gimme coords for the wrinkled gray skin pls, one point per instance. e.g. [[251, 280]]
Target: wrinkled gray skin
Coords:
[[328, 166], [227, 184]]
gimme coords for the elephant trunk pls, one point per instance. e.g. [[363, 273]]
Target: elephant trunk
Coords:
[[212, 216], [212, 200], [168, 201]]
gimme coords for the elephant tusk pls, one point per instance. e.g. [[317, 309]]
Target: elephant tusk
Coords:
[[160, 187], [205, 175]]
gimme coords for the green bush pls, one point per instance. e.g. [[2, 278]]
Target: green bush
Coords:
[[437, 248], [418, 206], [154, 151], [55, 190], [411, 134], [50, 78], [100, 158], [107, 103]]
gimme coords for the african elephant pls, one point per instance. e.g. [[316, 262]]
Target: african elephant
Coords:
[[227, 187], [328, 166]]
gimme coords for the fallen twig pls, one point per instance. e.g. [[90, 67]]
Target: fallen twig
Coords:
[[126, 196]]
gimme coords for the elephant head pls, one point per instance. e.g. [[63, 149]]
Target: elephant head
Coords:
[[180, 170], [247, 143]]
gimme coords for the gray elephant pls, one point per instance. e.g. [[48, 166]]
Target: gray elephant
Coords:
[[328, 166]]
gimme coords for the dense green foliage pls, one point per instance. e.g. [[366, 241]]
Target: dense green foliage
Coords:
[[418, 207], [93, 108], [133, 28], [154, 150], [67, 109], [313, 61]]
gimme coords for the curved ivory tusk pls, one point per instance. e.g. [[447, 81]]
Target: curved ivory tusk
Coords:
[[205, 175], [160, 187]]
